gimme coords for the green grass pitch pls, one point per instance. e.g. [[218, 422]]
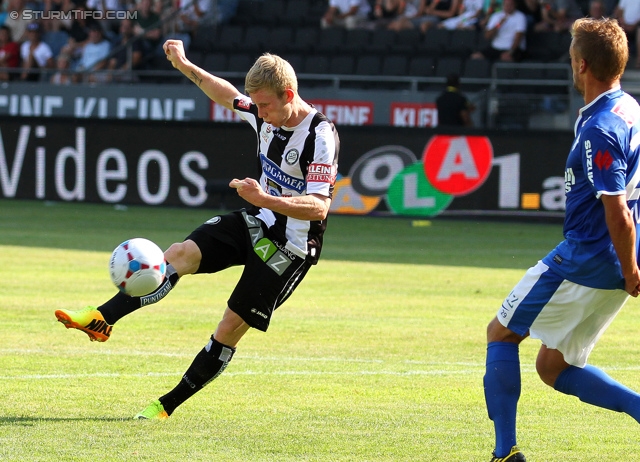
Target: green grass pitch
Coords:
[[378, 356]]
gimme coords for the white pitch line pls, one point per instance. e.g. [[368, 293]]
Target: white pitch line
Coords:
[[231, 374]]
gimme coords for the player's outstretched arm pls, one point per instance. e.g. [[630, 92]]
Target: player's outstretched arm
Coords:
[[217, 89]]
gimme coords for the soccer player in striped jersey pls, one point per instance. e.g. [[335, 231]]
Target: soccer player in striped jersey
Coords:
[[571, 296], [277, 239]]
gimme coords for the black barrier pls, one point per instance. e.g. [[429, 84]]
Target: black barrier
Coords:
[[406, 171]]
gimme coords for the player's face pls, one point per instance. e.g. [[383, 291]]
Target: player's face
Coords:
[[575, 67], [273, 109]]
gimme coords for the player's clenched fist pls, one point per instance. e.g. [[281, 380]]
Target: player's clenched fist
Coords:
[[174, 49]]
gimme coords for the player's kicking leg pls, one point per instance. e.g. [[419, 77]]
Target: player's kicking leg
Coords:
[[97, 322]]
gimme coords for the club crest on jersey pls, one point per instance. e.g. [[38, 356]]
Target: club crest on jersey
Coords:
[[291, 157]]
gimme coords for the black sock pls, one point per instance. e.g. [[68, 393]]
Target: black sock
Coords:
[[121, 305], [206, 366]]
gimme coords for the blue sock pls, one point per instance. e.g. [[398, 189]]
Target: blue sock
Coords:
[[595, 387], [502, 391]]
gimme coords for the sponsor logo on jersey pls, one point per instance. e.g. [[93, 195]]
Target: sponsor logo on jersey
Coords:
[[603, 160], [279, 135], [244, 102], [291, 157], [321, 173], [627, 110], [282, 179], [589, 158]]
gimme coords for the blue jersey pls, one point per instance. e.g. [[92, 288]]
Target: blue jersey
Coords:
[[604, 159]]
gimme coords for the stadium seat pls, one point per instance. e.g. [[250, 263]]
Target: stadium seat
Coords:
[[273, 11], [305, 39], [435, 42], [395, 65], [229, 39], [368, 65], [477, 68], [407, 41], [330, 40], [448, 65], [356, 41], [255, 40], [382, 41], [203, 38], [279, 39], [297, 12], [215, 62], [342, 65], [422, 66], [296, 60], [195, 56], [462, 42], [240, 62], [316, 64]]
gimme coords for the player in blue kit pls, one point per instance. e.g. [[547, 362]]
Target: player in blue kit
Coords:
[[570, 297], [277, 239]]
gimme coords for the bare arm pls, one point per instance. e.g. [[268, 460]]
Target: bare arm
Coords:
[[311, 207], [217, 89], [623, 235]]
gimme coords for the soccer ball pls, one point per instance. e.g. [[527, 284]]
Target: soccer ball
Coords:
[[137, 267]]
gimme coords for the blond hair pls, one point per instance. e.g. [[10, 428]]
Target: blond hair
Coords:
[[271, 72], [602, 43]]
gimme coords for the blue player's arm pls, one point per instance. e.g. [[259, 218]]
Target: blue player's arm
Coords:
[[622, 230]]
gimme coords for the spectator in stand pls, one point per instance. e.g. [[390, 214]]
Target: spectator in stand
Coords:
[[597, 9], [409, 18], [78, 32], [63, 74], [16, 22], [106, 8], [192, 13], [454, 108], [558, 15], [93, 57], [386, 11], [467, 17], [532, 10], [35, 54], [147, 22], [225, 11], [436, 11], [506, 31], [53, 7], [429, 13], [350, 14], [490, 7], [119, 63], [9, 54], [628, 15]]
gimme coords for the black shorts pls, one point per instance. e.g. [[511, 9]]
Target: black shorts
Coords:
[[271, 272]]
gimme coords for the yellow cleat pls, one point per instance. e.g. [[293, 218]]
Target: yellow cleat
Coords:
[[89, 320]]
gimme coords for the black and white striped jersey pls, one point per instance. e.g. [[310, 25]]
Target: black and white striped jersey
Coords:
[[294, 161]]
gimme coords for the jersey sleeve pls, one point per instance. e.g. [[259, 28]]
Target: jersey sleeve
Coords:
[[247, 110], [321, 175], [604, 162]]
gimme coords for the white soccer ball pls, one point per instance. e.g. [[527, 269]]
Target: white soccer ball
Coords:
[[137, 267]]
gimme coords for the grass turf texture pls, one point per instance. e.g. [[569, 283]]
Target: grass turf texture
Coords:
[[378, 356]]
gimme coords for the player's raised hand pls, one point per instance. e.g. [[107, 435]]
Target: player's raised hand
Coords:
[[249, 189], [174, 49]]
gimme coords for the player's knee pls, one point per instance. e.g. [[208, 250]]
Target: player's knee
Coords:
[[184, 257], [496, 332], [549, 365]]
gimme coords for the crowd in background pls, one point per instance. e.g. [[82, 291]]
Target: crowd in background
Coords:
[[97, 41], [101, 48]]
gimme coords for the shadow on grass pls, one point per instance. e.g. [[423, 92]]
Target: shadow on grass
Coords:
[[100, 227], [30, 421]]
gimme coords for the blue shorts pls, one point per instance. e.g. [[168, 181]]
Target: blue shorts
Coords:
[[566, 316]]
